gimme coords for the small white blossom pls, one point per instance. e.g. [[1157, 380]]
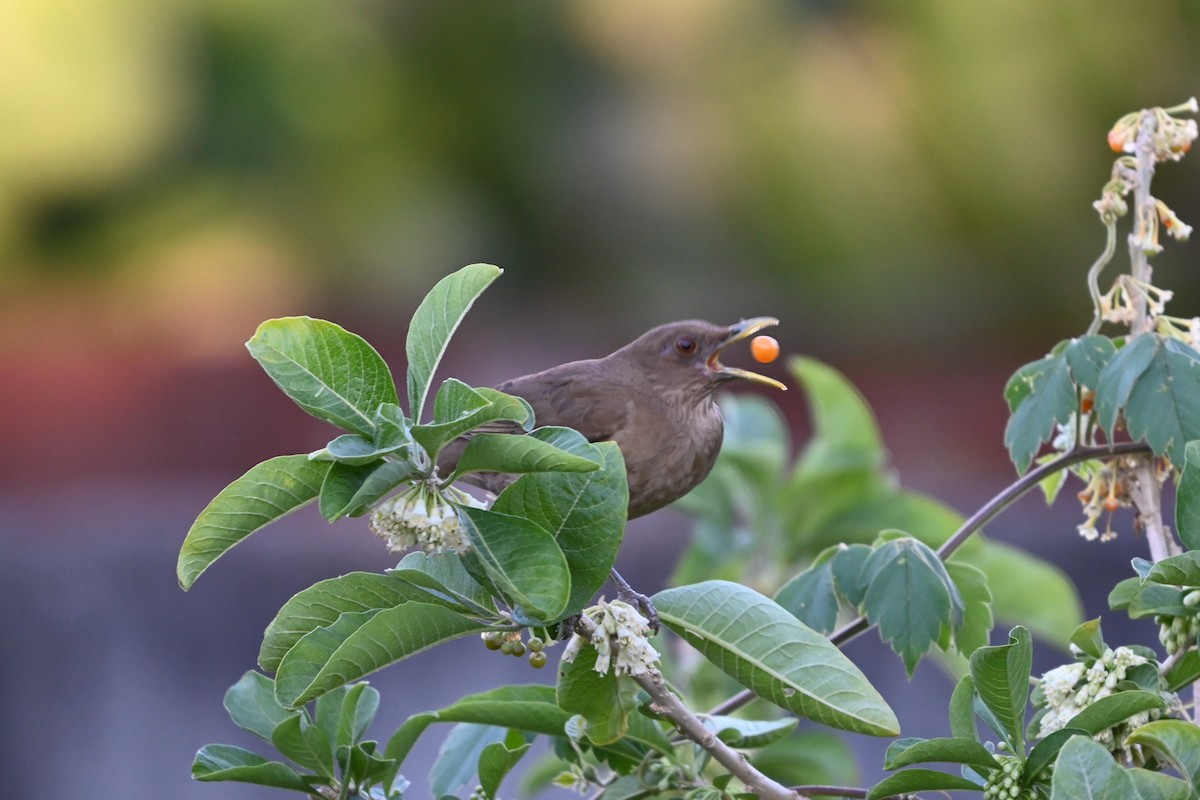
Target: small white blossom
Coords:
[[423, 516], [617, 627]]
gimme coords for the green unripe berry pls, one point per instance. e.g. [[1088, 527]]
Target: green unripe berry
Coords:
[[536, 644], [493, 640], [518, 648], [507, 647], [537, 659]]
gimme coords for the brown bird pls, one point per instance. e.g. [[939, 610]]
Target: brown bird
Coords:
[[653, 397]]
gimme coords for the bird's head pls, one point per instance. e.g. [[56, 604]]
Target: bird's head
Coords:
[[687, 354]]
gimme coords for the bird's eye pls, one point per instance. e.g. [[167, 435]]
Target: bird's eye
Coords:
[[685, 346]]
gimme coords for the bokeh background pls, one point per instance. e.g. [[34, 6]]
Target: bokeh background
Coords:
[[906, 185]]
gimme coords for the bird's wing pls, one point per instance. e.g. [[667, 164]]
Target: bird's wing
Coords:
[[576, 398]]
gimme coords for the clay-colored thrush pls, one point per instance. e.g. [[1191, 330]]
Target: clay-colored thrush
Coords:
[[653, 397]]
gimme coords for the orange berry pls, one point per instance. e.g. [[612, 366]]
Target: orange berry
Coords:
[[764, 349], [1111, 503], [1087, 402]]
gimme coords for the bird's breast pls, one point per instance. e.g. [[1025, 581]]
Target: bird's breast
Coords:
[[668, 450]]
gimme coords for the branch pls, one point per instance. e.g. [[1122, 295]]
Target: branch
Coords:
[[985, 514], [664, 702]]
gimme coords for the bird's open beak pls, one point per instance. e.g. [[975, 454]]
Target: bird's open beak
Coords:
[[738, 332]]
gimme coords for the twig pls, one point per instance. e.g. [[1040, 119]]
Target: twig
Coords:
[[985, 514], [664, 702], [833, 791]]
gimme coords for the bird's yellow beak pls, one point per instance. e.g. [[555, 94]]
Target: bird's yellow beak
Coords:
[[743, 330]]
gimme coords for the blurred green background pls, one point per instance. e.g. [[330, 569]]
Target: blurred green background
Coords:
[[906, 185]]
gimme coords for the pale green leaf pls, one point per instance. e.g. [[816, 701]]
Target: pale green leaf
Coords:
[[435, 321], [223, 762], [605, 700], [918, 780], [458, 758], [1187, 498], [749, 733], [523, 561], [329, 372], [812, 595], [359, 643], [768, 650], [977, 621], [322, 603], [1108, 711], [1164, 405], [1050, 400], [498, 452], [1087, 357], [1180, 570], [459, 409], [1086, 771], [847, 436], [304, 743], [495, 762], [252, 706], [1175, 741], [1001, 677], [906, 752], [1119, 376], [910, 597], [445, 580], [584, 511], [268, 491]]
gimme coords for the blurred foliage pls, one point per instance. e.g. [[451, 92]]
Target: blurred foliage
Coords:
[[866, 163]]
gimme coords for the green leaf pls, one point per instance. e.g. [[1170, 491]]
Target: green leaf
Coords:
[[446, 581], [1084, 769], [584, 511], [962, 713], [1089, 638], [459, 409], [848, 571], [1185, 672], [749, 733], [268, 491], [304, 743], [458, 758], [918, 780], [1087, 357], [847, 436], [977, 621], [905, 752], [329, 372], [224, 762], [435, 321], [495, 762], [357, 710], [1154, 599], [766, 649], [1119, 376], [252, 706], [358, 643], [1164, 405], [349, 491], [1123, 593], [1157, 786], [1045, 751], [603, 699], [1108, 711], [355, 449], [322, 603], [1001, 676], [910, 597], [1187, 498], [532, 708], [401, 742], [498, 452], [812, 596], [1180, 570], [1050, 400], [1175, 741], [522, 559]]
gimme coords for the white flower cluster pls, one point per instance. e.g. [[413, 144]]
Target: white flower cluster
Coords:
[[620, 628], [423, 516], [1070, 688]]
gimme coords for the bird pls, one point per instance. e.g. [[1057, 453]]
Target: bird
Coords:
[[653, 397]]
